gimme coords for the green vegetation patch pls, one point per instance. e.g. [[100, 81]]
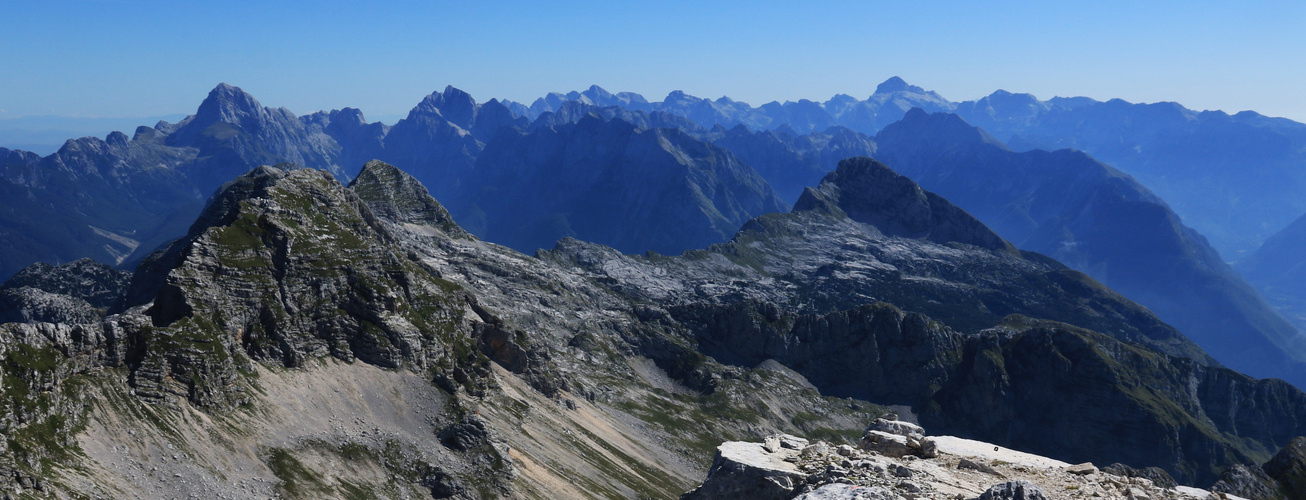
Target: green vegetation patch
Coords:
[[297, 481], [42, 434]]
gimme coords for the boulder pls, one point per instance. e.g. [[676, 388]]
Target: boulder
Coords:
[[898, 427], [466, 435], [748, 470], [1014, 490], [1084, 469], [884, 443], [792, 442]]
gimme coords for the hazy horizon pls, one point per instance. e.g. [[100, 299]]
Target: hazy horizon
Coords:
[[122, 58]]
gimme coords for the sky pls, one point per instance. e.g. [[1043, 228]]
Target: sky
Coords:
[[127, 58]]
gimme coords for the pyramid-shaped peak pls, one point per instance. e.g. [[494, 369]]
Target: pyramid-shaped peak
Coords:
[[450, 96], [453, 104], [224, 104], [394, 195], [598, 95], [870, 192], [227, 103], [897, 84]]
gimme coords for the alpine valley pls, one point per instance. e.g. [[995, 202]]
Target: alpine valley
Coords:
[[599, 296]]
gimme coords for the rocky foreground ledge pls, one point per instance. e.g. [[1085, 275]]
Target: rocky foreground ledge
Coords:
[[895, 460]]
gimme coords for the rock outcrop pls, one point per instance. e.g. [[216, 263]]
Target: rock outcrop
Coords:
[[751, 470], [97, 284], [78, 292], [1284, 476], [961, 470], [896, 206]]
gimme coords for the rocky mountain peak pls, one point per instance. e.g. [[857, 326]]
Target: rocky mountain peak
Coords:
[[394, 195], [348, 116], [228, 104], [235, 133], [679, 97], [597, 94], [897, 84], [453, 104], [116, 138], [870, 192]]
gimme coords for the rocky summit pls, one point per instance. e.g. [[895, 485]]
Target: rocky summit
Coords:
[[308, 339]]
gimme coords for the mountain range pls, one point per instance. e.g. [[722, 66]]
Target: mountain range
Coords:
[[960, 277], [1096, 219], [309, 339], [645, 178], [1237, 178]]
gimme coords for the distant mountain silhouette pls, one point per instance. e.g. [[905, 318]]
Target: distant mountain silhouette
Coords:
[[1235, 178], [1278, 270], [1098, 220], [610, 181], [890, 101]]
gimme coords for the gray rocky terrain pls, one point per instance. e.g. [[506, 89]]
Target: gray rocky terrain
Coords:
[[897, 461], [308, 339]]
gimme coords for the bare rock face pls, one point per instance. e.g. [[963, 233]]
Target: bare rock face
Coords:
[[749, 470], [798, 288], [1248, 482], [959, 470], [896, 206], [897, 427], [303, 269], [896, 438], [78, 292], [99, 285], [33, 305], [1288, 467], [394, 195]]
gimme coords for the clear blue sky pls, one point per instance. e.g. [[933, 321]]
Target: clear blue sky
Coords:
[[111, 58]]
